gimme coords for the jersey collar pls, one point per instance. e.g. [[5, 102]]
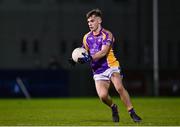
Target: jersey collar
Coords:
[[100, 32]]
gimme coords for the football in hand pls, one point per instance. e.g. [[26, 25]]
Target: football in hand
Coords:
[[77, 53]]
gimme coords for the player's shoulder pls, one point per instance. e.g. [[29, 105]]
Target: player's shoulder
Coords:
[[107, 31], [86, 35]]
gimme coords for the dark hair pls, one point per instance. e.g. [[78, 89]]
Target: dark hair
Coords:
[[96, 12]]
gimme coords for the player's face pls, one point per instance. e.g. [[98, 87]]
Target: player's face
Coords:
[[94, 22]]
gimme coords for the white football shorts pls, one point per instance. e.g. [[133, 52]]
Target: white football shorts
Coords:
[[106, 75]]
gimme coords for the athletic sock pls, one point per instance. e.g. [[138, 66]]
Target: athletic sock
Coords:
[[131, 111], [112, 105]]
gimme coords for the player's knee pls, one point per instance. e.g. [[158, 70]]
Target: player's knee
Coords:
[[103, 97]]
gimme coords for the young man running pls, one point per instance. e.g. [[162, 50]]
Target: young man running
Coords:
[[99, 43]]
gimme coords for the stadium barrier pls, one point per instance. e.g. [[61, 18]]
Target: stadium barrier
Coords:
[[38, 83]]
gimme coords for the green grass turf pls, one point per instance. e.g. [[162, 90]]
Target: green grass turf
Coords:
[[86, 111]]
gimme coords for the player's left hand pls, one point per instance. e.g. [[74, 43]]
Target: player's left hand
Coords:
[[87, 58]]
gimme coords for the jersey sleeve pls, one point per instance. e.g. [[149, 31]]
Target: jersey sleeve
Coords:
[[85, 44], [107, 38]]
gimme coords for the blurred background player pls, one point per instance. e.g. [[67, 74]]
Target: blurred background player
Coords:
[[99, 43]]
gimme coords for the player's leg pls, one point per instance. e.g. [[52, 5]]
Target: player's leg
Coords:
[[102, 87], [117, 81]]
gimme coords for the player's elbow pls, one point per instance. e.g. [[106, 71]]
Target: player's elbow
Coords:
[[104, 53]]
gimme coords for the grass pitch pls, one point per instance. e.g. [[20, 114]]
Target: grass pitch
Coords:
[[86, 112]]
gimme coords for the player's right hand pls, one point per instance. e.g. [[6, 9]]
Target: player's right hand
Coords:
[[71, 62], [87, 58]]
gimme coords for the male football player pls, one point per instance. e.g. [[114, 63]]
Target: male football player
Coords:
[[99, 43]]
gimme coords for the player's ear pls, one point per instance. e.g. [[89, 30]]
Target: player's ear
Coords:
[[99, 20]]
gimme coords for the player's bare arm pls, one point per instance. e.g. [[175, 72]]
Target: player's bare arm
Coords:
[[103, 52]]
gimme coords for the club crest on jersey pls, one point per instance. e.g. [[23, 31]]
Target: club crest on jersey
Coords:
[[90, 38]]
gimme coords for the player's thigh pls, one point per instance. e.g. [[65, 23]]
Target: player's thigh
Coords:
[[117, 81], [102, 87]]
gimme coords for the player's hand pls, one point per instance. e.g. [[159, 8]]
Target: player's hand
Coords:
[[87, 58], [71, 62]]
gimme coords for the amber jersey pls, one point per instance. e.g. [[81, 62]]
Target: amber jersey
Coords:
[[93, 44]]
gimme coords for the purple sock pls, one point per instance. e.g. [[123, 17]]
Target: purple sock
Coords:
[[131, 111]]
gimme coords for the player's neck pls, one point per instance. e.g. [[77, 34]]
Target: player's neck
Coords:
[[97, 31]]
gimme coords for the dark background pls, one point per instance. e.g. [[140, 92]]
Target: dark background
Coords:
[[38, 36]]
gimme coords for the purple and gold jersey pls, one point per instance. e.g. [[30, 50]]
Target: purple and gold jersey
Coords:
[[93, 44]]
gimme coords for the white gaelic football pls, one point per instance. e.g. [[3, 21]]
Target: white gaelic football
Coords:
[[77, 53]]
